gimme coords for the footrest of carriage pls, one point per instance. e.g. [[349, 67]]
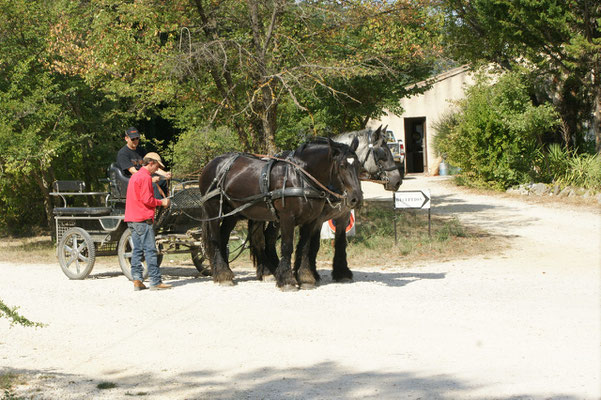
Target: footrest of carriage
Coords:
[[87, 211]]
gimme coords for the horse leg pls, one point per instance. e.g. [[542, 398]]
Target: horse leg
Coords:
[[256, 241], [302, 262], [340, 269], [284, 275], [271, 254], [223, 275], [313, 250]]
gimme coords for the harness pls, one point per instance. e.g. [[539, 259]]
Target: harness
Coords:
[[310, 187], [370, 150]]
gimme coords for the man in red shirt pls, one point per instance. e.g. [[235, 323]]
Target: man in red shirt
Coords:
[[140, 204]]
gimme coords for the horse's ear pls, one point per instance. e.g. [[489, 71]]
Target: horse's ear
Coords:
[[376, 137], [355, 143]]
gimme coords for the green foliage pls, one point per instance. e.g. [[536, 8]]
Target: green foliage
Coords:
[[52, 126], [195, 148], [568, 168], [496, 134], [15, 317], [558, 41], [73, 75]]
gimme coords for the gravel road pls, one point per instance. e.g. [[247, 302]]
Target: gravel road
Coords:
[[521, 324]]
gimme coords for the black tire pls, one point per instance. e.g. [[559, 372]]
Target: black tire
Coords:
[[198, 257], [124, 253], [76, 253]]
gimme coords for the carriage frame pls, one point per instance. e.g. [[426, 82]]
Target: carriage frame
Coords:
[[86, 232]]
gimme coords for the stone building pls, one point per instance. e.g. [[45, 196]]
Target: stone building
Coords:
[[420, 113]]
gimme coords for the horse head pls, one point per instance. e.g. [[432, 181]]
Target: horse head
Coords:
[[378, 160], [346, 171], [375, 156], [333, 164]]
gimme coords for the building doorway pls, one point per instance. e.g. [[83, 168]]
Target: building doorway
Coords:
[[415, 144]]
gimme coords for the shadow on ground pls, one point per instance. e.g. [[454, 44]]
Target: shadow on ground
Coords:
[[325, 380], [182, 275]]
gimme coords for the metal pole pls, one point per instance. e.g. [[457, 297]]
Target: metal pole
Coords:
[[395, 238], [429, 224]]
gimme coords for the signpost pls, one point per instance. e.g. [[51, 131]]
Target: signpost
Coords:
[[412, 199]]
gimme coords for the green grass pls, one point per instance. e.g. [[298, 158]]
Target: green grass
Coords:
[[374, 242], [7, 383]]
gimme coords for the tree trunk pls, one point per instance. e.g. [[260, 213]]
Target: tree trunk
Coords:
[[44, 182], [597, 121]]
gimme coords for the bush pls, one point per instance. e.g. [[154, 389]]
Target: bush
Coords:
[[195, 148], [494, 137], [568, 168]]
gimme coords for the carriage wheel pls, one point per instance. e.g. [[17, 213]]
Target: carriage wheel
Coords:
[[76, 253], [124, 253], [198, 256]]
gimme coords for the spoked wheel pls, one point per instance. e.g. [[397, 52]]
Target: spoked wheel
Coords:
[[237, 244], [198, 256], [76, 253], [124, 253]]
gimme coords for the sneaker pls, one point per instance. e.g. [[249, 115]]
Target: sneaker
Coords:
[[161, 286], [138, 285]]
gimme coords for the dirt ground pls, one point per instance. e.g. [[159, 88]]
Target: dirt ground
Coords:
[[521, 324]]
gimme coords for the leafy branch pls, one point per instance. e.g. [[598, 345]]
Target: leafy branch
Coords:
[[15, 317]]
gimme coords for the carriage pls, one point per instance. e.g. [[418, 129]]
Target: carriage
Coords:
[[317, 181], [86, 232]]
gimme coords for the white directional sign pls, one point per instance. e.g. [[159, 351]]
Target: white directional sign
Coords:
[[412, 199]]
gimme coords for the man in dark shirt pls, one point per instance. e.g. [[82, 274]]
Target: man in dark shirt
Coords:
[[129, 159]]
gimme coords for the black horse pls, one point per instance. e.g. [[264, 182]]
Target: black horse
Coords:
[[378, 164], [291, 191]]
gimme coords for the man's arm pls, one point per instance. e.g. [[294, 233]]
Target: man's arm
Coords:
[[164, 174]]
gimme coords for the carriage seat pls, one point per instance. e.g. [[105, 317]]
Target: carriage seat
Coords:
[[82, 211], [66, 190], [118, 182]]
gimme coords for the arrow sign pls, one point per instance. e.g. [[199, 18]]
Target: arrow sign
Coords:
[[412, 199]]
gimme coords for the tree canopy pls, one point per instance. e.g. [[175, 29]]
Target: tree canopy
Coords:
[[557, 42], [254, 75]]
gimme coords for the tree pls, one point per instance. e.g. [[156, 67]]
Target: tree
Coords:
[[51, 125], [496, 134], [232, 63], [557, 41]]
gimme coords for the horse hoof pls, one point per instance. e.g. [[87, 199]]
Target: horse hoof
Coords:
[[308, 286], [268, 278], [288, 288], [226, 283]]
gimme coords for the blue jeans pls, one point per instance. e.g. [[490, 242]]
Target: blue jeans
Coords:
[[142, 235]]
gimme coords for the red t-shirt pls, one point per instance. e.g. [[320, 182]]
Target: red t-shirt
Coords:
[[140, 202]]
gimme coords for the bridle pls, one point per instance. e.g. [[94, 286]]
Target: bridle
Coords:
[[377, 161]]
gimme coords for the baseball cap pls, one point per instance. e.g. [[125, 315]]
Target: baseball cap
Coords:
[[154, 156], [132, 132]]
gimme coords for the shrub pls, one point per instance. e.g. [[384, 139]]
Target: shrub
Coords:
[[195, 148], [494, 137], [569, 168]]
